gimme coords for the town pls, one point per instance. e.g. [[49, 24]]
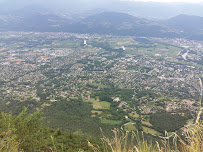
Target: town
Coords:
[[160, 74]]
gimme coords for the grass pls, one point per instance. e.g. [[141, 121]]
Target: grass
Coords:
[[46, 105], [130, 127], [147, 123], [66, 44], [99, 104], [169, 133], [123, 43], [8, 103], [111, 122], [163, 49], [189, 120], [21, 86], [74, 98], [98, 85], [94, 111], [125, 142], [151, 131], [134, 115], [193, 141], [2, 49], [133, 142]]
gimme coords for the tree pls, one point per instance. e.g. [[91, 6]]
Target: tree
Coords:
[[9, 142], [26, 128]]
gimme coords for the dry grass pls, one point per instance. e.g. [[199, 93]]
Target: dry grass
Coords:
[[126, 142], [131, 142], [193, 140]]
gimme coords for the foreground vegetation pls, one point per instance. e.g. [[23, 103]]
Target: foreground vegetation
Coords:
[[192, 141], [25, 132]]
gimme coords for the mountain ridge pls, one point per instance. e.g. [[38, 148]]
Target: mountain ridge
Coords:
[[115, 23], [191, 26]]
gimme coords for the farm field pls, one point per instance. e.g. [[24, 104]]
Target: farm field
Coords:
[[99, 104], [130, 127], [146, 123], [134, 115], [151, 131], [111, 122]]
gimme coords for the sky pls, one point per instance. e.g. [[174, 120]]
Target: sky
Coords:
[[9, 5], [163, 9], [168, 1], [190, 1], [87, 2]]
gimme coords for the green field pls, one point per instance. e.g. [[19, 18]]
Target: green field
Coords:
[[134, 115], [74, 98], [157, 50], [146, 123], [130, 127], [151, 131], [143, 46], [94, 111], [111, 122], [21, 86], [99, 104], [189, 120], [169, 133], [67, 44]]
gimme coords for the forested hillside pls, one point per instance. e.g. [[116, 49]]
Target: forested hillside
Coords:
[[25, 132]]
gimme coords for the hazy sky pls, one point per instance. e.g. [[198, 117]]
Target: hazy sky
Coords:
[[166, 1], [22, 1], [81, 4]]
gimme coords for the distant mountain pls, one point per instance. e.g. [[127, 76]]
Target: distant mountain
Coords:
[[101, 23], [191, 26], [115, 23], [155, 10], [121, 24], [186, 23], [35, 21]]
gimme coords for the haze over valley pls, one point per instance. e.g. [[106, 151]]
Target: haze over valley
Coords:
[[84, 65]]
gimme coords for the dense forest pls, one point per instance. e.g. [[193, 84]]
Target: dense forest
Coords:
[[163, 121], [75, 115], [25, 132]]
